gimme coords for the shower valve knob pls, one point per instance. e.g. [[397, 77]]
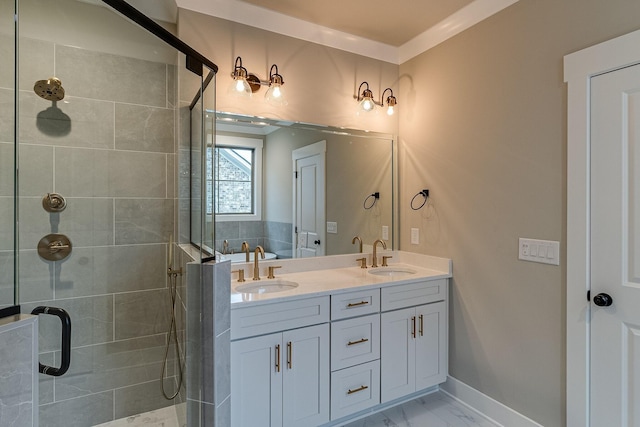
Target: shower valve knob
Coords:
[[54, 247], [54, 202]]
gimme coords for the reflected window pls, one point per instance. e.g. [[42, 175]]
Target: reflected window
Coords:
[[236, 190]]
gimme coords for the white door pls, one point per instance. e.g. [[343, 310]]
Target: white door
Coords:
[[306, 376], [615, 248], [309, 196], [256, 382]]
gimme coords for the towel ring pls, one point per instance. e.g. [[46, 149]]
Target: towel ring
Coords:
[[375, 196], [423, 193]]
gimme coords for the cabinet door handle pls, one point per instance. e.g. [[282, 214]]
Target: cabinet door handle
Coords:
[[289, 354], [421, 325], [277, 357], [413, 326], [358, 342], [357, 304], [363, 387]]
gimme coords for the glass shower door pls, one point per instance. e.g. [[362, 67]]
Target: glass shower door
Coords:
[[7, 156], [107, 148]]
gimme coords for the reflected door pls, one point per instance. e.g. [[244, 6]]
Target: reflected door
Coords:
[[309, 187], [615, 248]]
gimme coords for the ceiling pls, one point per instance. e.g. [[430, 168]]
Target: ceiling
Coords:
[[391, 31], [390, 22]]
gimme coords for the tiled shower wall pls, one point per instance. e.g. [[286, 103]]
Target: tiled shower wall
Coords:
[[271, 235], [109, 149]]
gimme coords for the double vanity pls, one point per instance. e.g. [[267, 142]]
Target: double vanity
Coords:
[[326, 341]]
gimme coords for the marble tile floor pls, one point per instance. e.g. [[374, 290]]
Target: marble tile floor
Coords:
[[434, 410], [165, 417]]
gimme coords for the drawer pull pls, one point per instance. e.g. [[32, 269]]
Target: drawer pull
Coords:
[[289, 354], [277, 357], [421, 325], [358, 342], [357, 304], [363, 387]]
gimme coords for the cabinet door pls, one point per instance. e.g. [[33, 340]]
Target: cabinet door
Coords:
[[431, 345], [397, 356], [306, 376], [256, 381]]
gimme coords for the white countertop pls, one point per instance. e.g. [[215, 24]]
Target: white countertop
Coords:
[[335, 274]]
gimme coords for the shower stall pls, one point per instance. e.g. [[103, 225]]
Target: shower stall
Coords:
[[101, 142]]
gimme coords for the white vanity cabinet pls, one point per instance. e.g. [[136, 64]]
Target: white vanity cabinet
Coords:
[[414, 338], [282, 379]]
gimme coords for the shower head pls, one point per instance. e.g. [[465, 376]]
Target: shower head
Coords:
[[50, 89]]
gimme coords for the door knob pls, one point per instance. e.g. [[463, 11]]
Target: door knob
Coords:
[[317, 242], [603, 300]]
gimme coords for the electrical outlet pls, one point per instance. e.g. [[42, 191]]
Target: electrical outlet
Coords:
[[415, 236], [385, 232]]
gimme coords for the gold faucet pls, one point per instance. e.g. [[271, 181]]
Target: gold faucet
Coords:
[[353, 242], [256, 270], [375, 256], [246, 250]]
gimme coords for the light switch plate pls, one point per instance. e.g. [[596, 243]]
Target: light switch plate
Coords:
[[332, 227], [543, 251], [385, 232]]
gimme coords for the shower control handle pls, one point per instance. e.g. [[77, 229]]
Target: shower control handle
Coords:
[[53, 203], [54, 247]]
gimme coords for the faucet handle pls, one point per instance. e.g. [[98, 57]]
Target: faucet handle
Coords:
[[271, 269], [363, 262], [240, 274], [384, 260]]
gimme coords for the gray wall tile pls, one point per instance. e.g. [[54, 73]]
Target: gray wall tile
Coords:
[[103, 367], [36, 277], [17, 375], [7, 52], [76, 122], [36, 170], [98, 173], [141, 313], [85, 73], [143, 220], [6, 115], [141, 398], [87, 221], [6, 167], [81, 412], [6, 278], [91, 321], [111, 269], [142, 128], [7, 224], [36, 62]]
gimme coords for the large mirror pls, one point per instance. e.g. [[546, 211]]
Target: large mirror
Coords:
[[298, 189]]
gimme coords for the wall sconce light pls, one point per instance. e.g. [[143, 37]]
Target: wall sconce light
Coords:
[[245, 84], [366, 103], [365, 98], [391, 101]]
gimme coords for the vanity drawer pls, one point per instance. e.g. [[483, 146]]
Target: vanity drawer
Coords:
[[278, 316], [412, 294], [355, 303], [355, 341], [354, 389]]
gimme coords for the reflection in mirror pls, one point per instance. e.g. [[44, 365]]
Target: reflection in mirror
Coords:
[[297, 189]]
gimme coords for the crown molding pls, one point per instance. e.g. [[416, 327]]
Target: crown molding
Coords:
[[254, 16]]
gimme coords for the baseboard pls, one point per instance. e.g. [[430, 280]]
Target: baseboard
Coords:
[[497, 412]]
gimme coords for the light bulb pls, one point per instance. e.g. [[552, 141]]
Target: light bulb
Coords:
[[239, 85], [275, 95], [390, 110]]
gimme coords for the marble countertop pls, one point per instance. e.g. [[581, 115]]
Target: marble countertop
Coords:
[[337, 274]]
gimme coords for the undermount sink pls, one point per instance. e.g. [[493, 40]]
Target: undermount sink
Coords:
[[266, 286], [392, 271]]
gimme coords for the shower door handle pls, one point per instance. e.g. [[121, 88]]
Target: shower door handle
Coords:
[[66, 340]]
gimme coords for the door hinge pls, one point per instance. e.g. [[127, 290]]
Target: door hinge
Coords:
[[295, 174], [296, 229], [588, 295]]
